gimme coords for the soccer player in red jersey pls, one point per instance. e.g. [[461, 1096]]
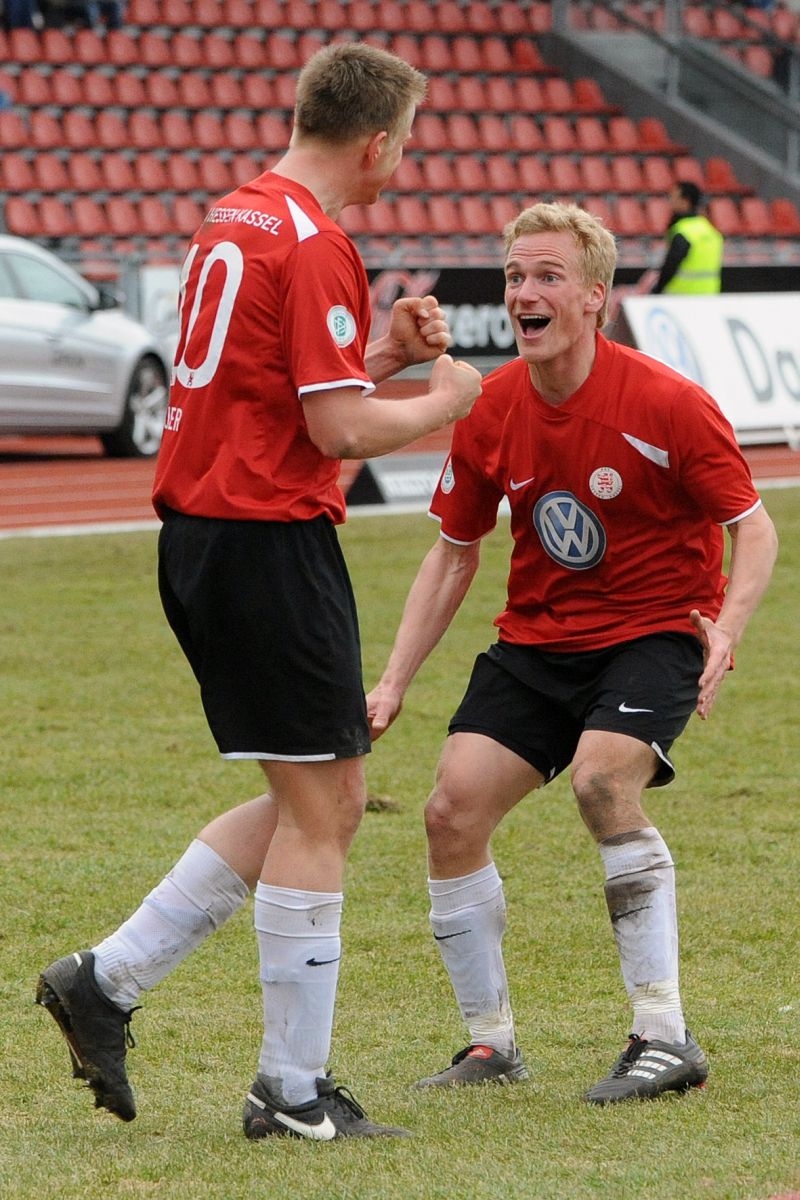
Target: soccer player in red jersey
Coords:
[[271, 389], [618, 624]]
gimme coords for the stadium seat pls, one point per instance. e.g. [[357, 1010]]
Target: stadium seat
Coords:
[[257, 90], [785, 24], [145, 132], [207, 13], [299, 15], [501, 96], [657, 174], [756, 216], [155, 220], [688, 169], [120, 49], [438, 173], [623, 135], [557, 95], [429, 133], [501, 174], [249, 52], [595, 174], [502, 209], [16, 173], [785, 217], [162, 91], [697, 22], [214, 52], [24, 47], [190, 52], [527, 94], [445, 215], [50, 173], [476, 216], [442, 95], [154, 50], [540, 16], [97, 90], [332, 15], [472, 93], [526, 57], [183, 174], [143, 12], [510, 17], [8, 85], [129, 90], [271, 132], [381, 218], [285, 87], [56, 47], [118, 172], [591, 135], [204, 131], [534, 176], [653, 136], [90, 218], [626, 174], [55, 218], [451, 17], [245, 167], [599, 207], [480, 17], [588, 97], [759, 61], [435, 52], [188, 215], [408, 177], [178, 132], [724, 213], [279, 53], [725, 25], [195, 91], [494, 135], [559, 135], [21, 217], [720, 177], [462, 133], [87, 48], [564, 176], [123, 220], [629, 217], [33, 87], [215, 175], [658, 213], [150, 173], [524, 134], [466, 55], [471, 175], [47, 132], [496, 56], [237, 14], [267, 14]]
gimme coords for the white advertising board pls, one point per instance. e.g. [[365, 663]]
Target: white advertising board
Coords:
[[742, 348]]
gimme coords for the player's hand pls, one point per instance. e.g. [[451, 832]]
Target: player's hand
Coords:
[[461, 380], [717, 648], [418, 329], [383, 706]]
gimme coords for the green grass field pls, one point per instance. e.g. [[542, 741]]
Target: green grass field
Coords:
[[108, 771]]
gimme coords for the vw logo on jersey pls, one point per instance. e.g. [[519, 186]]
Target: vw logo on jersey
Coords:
[[666, 341], [569, 531], [341, 325]]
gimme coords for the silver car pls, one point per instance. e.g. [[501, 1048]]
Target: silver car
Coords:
[[71, 361]]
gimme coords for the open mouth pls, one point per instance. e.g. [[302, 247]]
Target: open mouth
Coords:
[[532, 324]]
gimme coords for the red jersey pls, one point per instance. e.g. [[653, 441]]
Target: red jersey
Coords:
[[617, 497], [274, 305]]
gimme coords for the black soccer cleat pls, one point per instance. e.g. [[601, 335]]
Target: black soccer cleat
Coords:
[[97, 1032], [478, 1064], [647, 1069], [334, 1114]]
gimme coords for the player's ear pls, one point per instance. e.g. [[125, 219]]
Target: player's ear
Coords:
[[596, 297], [375, 147]]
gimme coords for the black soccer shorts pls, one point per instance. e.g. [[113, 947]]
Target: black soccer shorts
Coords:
[[537, 703], [265, 614]]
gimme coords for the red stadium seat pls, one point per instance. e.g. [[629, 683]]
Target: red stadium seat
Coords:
[[97, 90], [720, 177], [588, 97], [177, 130], [194, 91], [267, 14], [510, 17], [150, 173], [188, 214], [496, 56], [56, 47], [599, 207], [204, 131], [215, 175], [249, 52], [451, 17], [630, 219], [50, 173], [525, 134], [471, 174], [189, 52], [118, 173], [155, 219], [540, 16], [332, 15], [299, 14], [756, 216], [24, 46], [466, 54], [237, 14], [697, 22], [435, 53], [143, 12], [657, 174], [271, 133], [429, 132], [33, 87], [759, 61], [90, 218], [412, 215], [724, 213], [55, 218], [623, 135], [8, 85], [16, 173], [591, 135], [626, 174], [462, 133], [501, 174], [145, 132], [280, 53], [595, 174], [154, 50], [472, 93], [207, 13], [285, 87], [527, 93], [494, 135], [534, 177], [121, 49], [442, 96], [658, 213], [502, 210], [476, 216], [557, 95], [653, 136], [408, 177], [87, 48], [559, 135], [785, 217], [438, 173], [257, 91], [526, 56], [480, 17], [419, 15], [129, 90], [21, 217], [123, 220], [445, 215], [501, 96], [564, 176], [245, 167], [47, 132], [183, 174], [688, 169], [725, 25]]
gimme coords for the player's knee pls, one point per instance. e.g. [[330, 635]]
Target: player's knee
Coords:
[[449, 819], [596, 789]]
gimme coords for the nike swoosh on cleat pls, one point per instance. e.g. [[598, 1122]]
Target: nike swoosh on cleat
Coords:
[[324, 1132], [623, 708], [442, 937], [320, 962], [512, 483]]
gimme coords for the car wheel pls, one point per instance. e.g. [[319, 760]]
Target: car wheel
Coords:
[[139, 433]]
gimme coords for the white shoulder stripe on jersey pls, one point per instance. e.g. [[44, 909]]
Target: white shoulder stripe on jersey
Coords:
[[366, 385], [304, 226], [656, 455], [746, 513]]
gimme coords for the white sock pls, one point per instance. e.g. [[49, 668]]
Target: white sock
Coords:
[[195, 898], [640, 893], [299, 950], [468, 918]]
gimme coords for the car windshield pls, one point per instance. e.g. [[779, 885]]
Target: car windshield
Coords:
[[40, 282]]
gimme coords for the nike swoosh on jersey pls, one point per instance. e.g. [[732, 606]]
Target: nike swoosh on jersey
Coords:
[[623, 708], [324, 1132], [512, 483]]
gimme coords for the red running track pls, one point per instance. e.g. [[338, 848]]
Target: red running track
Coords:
[[64, 482]]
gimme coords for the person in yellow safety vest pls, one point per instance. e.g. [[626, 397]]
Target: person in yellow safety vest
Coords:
[[693, 262]]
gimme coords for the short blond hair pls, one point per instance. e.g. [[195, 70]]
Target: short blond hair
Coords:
[[596, 243], [349, 89]]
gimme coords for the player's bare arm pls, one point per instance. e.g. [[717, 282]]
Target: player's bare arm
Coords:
[[344, 423], [418, 332], [434, 598], [754, 547]]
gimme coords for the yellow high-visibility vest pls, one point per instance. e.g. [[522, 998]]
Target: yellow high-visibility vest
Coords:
[[700, 272]]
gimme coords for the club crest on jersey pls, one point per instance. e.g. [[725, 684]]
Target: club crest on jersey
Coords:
[[605, 483], [341, 325], [569, 531], [448, 480]]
